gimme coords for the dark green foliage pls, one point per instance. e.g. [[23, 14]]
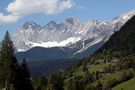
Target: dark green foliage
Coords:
[[23, 79], [41, 83], [56, 81], [52, 82], [8, 62], [99, 86]]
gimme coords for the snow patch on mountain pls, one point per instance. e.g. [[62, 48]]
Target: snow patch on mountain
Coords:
[[50, 44], [97, 40]]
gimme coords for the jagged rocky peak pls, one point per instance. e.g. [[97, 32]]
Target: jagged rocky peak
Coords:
[[128, 14], [72, 20], [31, 25], [125, 16], [50, 25], [93, 22]]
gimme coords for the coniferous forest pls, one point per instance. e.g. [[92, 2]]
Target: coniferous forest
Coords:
[[111, 65]]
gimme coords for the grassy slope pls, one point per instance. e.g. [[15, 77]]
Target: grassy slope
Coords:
[[79, 72], [110, 77], [95, 68], [128, 85]]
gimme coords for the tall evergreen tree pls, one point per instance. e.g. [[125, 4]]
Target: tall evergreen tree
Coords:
[[8, 62], [13, 76], [23, 80]]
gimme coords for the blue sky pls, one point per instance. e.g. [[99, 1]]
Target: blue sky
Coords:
[[84, 10]]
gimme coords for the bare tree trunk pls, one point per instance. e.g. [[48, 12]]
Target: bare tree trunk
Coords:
[[5, 85]]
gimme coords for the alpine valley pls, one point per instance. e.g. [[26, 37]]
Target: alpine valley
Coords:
[[67, 45], [60, 45]]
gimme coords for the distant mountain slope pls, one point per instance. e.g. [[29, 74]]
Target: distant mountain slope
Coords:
[[39, 53]]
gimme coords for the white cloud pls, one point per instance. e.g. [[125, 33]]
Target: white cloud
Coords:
[[49, 7], [8, 19], [20, 8]]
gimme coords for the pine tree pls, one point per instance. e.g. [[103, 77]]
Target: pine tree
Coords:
[[13, 75], [7, 62], [27, 75], [23, 79]]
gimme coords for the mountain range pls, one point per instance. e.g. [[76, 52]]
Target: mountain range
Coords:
[[69, 39]]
